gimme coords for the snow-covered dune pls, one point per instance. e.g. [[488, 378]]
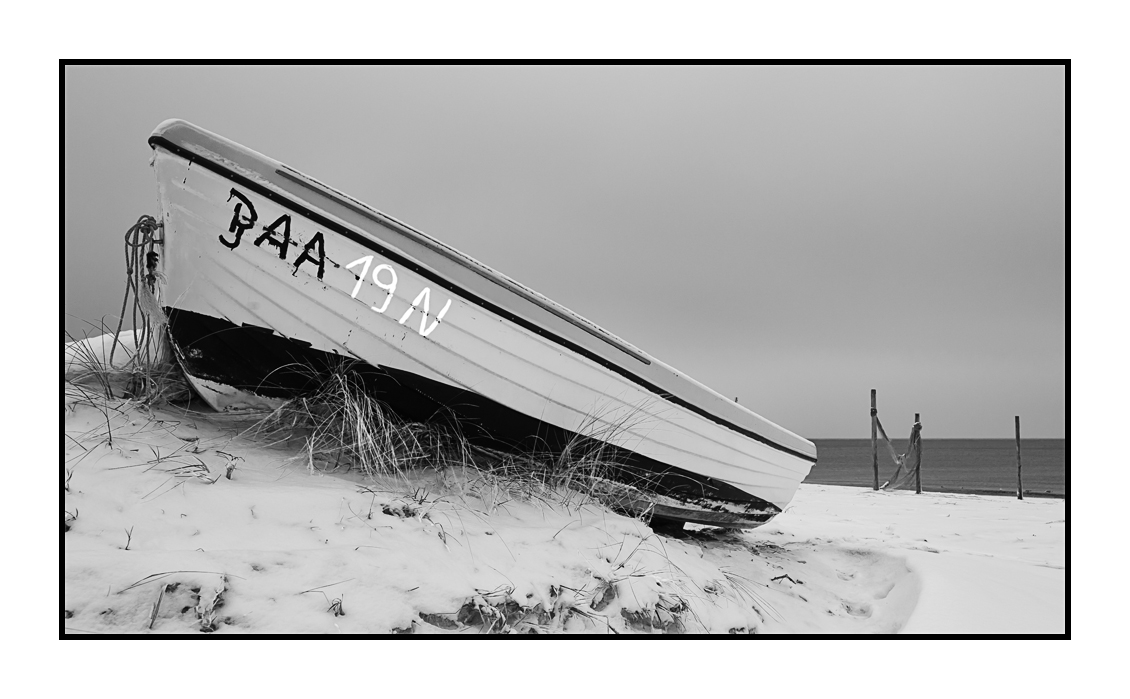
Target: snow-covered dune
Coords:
[[175, 524]]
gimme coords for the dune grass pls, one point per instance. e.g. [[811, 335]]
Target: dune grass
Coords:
[[149, 376], [341, 425]]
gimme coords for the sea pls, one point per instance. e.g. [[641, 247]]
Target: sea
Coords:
[[984, 466]]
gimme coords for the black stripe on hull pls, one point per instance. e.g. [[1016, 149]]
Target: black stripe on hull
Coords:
[[373, 245], [259, 361]]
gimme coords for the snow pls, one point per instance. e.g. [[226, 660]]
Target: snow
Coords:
[[984, 564], [281, 548]]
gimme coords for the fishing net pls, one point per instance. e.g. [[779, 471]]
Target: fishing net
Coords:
[[906, 464]]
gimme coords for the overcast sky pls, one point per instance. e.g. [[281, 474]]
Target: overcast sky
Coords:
[[791, 236]]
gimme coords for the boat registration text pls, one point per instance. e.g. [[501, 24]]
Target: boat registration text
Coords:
[[277, 235]]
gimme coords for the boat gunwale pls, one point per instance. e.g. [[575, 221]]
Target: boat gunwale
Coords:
[[376, 245]]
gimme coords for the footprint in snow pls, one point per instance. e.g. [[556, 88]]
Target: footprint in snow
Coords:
[[858, 610]]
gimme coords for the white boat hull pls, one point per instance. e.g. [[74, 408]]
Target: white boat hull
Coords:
[[252, 244]]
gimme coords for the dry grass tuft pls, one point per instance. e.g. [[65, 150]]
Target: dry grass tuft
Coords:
[[342, 425]]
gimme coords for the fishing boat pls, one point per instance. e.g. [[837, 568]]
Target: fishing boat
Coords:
[[267, 273]]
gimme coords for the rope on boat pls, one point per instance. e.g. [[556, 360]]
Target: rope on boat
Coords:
[[141, 282]]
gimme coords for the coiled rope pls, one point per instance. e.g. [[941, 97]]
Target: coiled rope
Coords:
[[141, 283]]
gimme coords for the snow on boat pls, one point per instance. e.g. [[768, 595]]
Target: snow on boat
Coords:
[[269, 273]]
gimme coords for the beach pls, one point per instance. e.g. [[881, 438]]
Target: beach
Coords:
[[176, 524]]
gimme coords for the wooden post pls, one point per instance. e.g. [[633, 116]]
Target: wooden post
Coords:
[[918, 464], [874, 445], [1019, 483]]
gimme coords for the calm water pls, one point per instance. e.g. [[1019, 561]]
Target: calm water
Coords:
[[951, 465]]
